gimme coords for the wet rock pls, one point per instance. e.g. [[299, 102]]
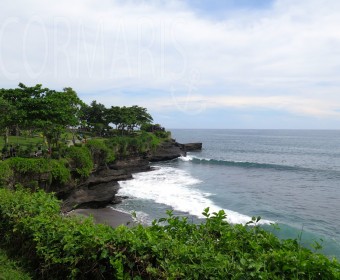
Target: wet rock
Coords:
[[188, 147], [136, 164], [166, 151], [91, 196]]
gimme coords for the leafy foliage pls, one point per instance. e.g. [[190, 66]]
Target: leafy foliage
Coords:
[[172, 248], [80, 160], [93, 116], [128, 117], [59, 171], [137, 144], [5, 172], [100, 152], [11, 270], [8, 114], [26, 109], [21, 170], [41, 108]]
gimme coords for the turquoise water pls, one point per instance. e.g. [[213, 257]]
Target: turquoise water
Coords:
[[290, 177]]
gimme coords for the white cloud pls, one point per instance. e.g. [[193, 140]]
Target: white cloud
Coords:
[[286, 57]]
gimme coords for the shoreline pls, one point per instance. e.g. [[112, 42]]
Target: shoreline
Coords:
[[107, 216]]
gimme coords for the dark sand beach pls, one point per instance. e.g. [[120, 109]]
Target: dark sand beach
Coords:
[[106, 216]]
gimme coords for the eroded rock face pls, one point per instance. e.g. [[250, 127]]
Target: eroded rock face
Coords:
[[105, 175], [97, 191], [135, 164], [191, 147], [101, 187], [91, 196], [166, 151]]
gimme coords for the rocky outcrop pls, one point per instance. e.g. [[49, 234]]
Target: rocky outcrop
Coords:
[[132, 165], [106, 174], [101, 187], [97, 191], [91, 196], [189, 147], [166, 151]]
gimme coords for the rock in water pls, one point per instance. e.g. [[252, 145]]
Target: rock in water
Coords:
[[191, 147], [166, 151]]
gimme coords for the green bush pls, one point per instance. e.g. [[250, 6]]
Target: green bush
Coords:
[[133, 145], [29, 165], [171, 248], [59, 171], [60, 151], [5, 172], [100, 153], [30, 169], [11, 270], [163, 134], [80, 160]]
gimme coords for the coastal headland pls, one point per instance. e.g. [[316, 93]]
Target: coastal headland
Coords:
[[62, 157], [92, 197]]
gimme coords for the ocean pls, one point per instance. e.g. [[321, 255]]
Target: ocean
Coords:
[[288, 177]]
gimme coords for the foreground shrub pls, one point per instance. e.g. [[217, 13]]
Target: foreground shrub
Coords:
[[172, 248], [10, 269]]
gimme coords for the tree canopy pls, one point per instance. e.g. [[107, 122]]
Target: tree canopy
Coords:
[[46, 110], [51, 112], [128, 118]]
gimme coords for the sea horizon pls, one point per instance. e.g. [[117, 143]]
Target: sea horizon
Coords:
[[288, 177]]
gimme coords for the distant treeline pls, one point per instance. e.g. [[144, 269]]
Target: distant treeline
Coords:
[[51, 112]]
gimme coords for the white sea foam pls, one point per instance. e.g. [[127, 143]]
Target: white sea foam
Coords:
[[186, 158], [140, 216], [176, 188], [143, 218]]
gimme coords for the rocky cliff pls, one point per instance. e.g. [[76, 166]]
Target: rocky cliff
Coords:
[[101, 187], [167, 150]]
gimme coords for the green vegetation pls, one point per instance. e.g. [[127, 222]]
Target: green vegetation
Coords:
[[40, 125], [124, 146], [75, 162], [24, 141], [172, 248], [57, 247], [26, 170], [38, 108], [80, 160], [27, 111], [100, 153], [10, 270]]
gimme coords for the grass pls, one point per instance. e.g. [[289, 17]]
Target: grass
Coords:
[[22, 141], [25, 141], [11, 270]]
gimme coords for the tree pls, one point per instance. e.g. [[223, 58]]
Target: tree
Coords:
[[113, 115], [93, 116], [141, 116], [60, 111], [50, 111], [16, 99], [128, 118], [7, 115]]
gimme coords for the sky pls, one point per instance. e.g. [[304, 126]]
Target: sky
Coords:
[[248, 64]]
